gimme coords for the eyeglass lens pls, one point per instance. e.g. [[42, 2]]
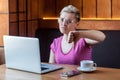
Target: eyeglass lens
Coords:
[[66, 21]]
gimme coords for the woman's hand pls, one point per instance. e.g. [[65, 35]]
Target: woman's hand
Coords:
[[91, 36], [73, 36]]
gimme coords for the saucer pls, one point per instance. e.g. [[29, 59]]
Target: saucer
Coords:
[[87, 70]]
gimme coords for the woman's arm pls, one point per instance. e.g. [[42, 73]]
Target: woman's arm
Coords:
[[51, 58], [91, 36]]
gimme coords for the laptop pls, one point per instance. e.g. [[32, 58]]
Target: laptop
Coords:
[[23, 53]]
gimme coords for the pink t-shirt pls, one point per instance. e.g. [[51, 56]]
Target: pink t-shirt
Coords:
[[81, 51]]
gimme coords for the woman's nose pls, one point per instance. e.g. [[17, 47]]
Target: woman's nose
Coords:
[[64, 23]]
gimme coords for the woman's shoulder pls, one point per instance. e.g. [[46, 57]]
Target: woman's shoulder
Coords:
[[58, 38], [81, 41]]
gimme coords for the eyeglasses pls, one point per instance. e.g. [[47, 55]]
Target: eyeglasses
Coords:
[[61, 20]]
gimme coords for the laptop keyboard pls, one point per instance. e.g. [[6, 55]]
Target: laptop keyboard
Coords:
[[43, 68]]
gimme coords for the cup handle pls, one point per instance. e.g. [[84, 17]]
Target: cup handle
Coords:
[[95, 65]]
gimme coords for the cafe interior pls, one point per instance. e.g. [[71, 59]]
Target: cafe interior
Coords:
[[38, 18]]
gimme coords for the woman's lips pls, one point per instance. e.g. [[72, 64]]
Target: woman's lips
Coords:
[[62, 26]]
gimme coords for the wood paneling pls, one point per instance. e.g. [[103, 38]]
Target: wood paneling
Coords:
[[60, 4], [91, 11], [29, 9], [104, 8], [3, 27], [12, 17], [3, 6], [22, 28], [40, 9], [22, 10], [43, 24], [89, 8], [22, 16], [35, 9], [12, 5], [33, 25], [49, 8], [86, 24], [13, 29], [100, 24], [78, 4], [26, 15], [116, 8], [4, 30], [17, 14], [22, 5]]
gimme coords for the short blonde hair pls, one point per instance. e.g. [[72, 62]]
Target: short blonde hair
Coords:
[[71, 9]]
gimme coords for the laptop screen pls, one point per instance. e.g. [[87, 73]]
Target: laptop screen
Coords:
[[23, 53]]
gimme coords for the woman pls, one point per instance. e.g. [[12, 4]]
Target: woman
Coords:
[[74, 45]]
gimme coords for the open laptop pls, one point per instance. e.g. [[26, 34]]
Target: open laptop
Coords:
[[23, 53]]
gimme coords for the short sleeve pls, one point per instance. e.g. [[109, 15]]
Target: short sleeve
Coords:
[[53, 46], [83, 43]]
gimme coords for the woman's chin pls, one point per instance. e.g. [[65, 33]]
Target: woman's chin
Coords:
[[63, 32]]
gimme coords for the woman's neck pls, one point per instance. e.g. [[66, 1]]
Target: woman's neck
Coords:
[[65, 37], [66, 47]]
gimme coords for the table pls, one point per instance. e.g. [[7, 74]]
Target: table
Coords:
[[100, 74]]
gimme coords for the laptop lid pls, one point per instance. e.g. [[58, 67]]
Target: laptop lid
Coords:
[[23, 53]]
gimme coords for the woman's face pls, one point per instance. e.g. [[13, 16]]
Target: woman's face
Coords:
[[67, 22]]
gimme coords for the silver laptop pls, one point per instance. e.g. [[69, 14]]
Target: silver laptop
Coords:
[[23, 53]]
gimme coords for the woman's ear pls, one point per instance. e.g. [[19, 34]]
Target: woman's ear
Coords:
[[78, 23], [58, 20]]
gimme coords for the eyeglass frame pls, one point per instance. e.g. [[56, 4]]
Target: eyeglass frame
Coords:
[[68, 22]]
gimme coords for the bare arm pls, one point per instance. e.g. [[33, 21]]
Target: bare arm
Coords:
[[51, 58], [91, 36]]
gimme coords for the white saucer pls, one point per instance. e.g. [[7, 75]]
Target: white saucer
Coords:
[[86, 70]]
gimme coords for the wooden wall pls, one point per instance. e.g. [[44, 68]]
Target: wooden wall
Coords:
[[88, 8], [23, 17], [95, 14], [3, 19], [19, 17]]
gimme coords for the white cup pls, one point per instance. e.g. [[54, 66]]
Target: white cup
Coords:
[[87, 65]]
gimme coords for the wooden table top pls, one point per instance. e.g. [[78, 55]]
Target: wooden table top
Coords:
[[100, 74]]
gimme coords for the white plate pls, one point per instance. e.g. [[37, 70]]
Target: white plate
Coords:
[[86, 70]]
